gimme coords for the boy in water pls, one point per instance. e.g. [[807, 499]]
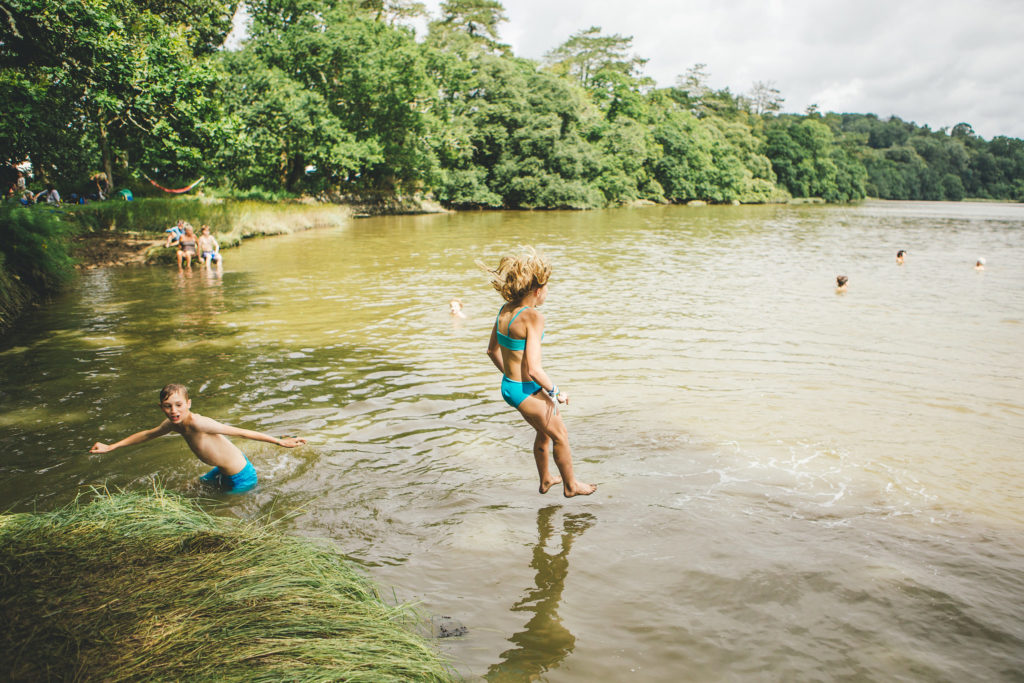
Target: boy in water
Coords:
[[841, 281], [207, 438], [900, 255]]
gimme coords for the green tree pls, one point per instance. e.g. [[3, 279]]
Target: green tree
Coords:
[[587, 54], [809, 163], [394, 12], [277, 129], [765, 98], [469, 27], [111, 79], [692, 88], [372, 81], [521, 143]]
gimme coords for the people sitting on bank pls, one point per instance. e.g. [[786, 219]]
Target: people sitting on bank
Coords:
[[174, 234], [50, 194], [209, 249], [187, 247], [17, 186]]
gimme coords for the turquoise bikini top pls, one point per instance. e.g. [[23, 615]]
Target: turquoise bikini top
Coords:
[[510, 343]]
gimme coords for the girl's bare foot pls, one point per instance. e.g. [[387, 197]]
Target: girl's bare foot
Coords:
[[578, 489], [546, 485]]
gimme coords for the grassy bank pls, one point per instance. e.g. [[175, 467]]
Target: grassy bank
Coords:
[[34, 256], [230, 221], [147, 586]]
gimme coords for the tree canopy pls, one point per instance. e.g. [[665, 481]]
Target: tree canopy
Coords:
[[340, 96]]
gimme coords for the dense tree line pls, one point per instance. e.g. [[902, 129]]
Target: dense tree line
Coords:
[[342, 96]]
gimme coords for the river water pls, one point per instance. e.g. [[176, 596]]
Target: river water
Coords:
[[794, 483]]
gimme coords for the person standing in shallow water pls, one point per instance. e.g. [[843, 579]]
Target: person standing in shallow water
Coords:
[[207, 438], [514, 348]]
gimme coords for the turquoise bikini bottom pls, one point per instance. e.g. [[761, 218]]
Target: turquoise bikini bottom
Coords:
[[515, 392]]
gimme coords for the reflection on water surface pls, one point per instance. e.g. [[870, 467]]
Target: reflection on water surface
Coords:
[[793, 484]]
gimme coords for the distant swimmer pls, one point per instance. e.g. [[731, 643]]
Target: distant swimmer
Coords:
[[900, 255], [207, 438], [455, 308], [980, 264], [514, 348], [841, 281]]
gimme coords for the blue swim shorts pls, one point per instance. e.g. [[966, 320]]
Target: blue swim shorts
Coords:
[[212, 255], [233, 483], [515, 392]]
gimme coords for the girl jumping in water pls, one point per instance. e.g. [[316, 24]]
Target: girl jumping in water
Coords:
[[522, 280]]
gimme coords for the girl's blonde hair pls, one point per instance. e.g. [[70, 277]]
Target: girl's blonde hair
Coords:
[[519, 274]]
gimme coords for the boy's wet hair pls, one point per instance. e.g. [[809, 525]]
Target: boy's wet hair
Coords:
[[900, 253], [172, 389], [840, 281]]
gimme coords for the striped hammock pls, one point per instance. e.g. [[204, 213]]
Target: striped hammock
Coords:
[[179, 190]]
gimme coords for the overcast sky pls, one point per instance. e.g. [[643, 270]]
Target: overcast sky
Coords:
[[934, 62]]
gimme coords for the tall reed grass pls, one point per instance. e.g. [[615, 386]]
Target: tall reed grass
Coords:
[[35, 257], [230, 220], [133, 586]]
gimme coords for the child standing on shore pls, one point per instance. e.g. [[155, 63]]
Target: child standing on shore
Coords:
[[207, 438], [522, 280]]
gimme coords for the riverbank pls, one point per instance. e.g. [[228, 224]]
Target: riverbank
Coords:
[[99, 250], [118, 233], [133, 586]]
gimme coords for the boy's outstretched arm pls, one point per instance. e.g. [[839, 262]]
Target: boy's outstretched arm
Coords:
[[137, 437], [211, 426]]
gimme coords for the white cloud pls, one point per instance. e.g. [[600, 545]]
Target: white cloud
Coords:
[[932, 62]]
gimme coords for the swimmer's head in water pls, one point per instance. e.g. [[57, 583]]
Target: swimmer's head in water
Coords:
[[171, 390], [900, 253], [519, 274], [841, 280], [981, 261]]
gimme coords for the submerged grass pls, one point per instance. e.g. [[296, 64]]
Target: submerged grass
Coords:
[[137, 586]]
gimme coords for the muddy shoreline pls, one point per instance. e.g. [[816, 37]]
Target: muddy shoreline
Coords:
[[99, 250]]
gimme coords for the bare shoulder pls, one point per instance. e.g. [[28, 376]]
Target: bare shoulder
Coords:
[[533, 317], [204, 424]]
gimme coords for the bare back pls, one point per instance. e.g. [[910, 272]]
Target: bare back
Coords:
[[521, 317]]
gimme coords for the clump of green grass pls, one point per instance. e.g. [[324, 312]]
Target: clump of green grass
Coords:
[[137, 586], [34, 245], [227, 218]]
